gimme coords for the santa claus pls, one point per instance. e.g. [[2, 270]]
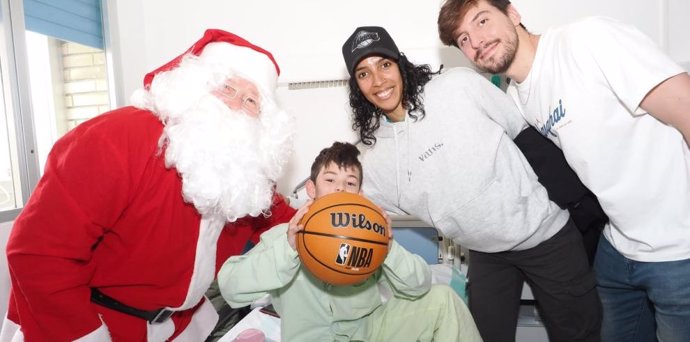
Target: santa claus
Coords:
[[138, 207]]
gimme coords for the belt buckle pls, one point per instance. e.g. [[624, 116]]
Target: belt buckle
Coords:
[[161, 316]]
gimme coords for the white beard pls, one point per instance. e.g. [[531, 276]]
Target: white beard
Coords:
[[228, 161]]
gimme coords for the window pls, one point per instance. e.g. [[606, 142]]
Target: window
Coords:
[[53, 76], [10, 191], [68, 86]]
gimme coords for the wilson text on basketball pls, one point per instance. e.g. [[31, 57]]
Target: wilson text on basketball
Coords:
[[343, 220]]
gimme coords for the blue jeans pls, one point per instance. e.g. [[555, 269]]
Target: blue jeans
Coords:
[[642, 301]]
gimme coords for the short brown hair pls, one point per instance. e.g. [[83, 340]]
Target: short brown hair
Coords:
[[454, 10], [345, 155]]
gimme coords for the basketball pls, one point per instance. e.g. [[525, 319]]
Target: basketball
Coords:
[[345, 238]]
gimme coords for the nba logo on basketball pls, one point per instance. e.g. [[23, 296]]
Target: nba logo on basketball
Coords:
[[343, 252], [353, 256]]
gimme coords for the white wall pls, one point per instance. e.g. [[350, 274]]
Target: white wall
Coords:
[[678, 28], [305, 36]]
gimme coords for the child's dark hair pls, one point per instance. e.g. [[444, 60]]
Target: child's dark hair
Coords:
[[343, 154]]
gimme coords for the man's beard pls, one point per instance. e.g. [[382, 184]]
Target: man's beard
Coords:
[[499, 64], [228, 160]]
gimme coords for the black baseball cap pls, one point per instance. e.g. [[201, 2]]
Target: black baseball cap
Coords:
[[367, 41]]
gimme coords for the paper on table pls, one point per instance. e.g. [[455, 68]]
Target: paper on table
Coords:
[[268, 324]]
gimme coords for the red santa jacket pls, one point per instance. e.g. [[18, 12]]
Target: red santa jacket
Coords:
[[107, 213]]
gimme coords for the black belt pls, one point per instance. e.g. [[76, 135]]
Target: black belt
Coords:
[[155, 316]]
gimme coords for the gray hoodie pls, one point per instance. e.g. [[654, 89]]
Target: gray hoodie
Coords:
[[459, 170]]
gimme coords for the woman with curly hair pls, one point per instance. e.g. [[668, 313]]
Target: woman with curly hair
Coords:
[[367, 116], [437, 148]]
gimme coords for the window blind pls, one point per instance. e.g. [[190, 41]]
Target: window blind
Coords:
[[77, 21]]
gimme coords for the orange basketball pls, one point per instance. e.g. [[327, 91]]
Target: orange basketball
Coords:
[[345, 238]]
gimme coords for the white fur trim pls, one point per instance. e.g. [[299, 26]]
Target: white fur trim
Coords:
[[203, 322], [202, 277], [10, 332], [205, 261], [243, 61], [160, 332]]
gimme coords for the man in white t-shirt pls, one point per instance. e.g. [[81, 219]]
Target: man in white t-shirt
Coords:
[[619, 108]]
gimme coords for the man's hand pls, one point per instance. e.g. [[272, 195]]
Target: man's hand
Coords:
[[294, 226]]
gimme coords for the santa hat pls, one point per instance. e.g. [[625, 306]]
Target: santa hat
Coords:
[[231, 52]]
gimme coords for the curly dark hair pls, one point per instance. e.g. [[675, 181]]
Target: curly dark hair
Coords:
[[367, 117]]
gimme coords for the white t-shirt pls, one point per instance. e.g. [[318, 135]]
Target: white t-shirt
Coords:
[[583, 92]]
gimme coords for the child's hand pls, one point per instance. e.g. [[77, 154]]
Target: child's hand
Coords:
[[294, 227]]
